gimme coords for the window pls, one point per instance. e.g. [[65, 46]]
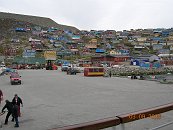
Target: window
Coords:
[[100, 69], [96, 69]]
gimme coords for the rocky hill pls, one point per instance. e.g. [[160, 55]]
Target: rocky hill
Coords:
[[40, 21], [16, 32]]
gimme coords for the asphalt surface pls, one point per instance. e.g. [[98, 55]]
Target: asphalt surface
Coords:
[[53, 99]]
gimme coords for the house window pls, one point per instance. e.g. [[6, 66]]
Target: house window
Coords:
[[90, 70], [96, 69]]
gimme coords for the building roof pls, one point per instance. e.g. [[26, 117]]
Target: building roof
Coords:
[[100, 50]]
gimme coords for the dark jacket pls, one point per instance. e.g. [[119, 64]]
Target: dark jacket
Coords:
[[8, 106], [19, 101], [15, 110], [1, 94]]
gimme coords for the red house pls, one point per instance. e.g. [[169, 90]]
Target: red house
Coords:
[[111, 60]]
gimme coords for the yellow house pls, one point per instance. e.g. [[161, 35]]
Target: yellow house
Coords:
[[141, 39], [91, 45], [93, 41], [113, 52]]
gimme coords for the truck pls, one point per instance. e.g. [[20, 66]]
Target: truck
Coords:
[[50, 56]]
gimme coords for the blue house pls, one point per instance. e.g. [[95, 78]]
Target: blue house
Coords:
[[144, 62], [165, 33], [157, 39], [148, 65], [52, 29], [164, 51], [76, 37], [100, 50], [157, 46], [124, 51], [20, 30], [140, 60]]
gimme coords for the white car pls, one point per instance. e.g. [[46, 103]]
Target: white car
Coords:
[[3, 67], [64, 67]]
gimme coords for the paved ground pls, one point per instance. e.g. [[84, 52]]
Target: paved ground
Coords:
[[53, 99]]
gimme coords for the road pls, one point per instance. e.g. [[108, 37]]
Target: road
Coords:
[[53, 99]]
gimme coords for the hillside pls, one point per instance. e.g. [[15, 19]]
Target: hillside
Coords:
[[41, 21]]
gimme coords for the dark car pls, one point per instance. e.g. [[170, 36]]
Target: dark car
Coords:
[[71, 71], [15, 78]]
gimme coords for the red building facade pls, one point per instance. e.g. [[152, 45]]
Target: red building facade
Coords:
[[111, 60]]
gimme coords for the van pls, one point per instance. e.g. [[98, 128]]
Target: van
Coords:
[[15, 78]]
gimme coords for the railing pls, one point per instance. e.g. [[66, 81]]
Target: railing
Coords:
[[94, 125], [121, 119], [145, 113], [161, 126]]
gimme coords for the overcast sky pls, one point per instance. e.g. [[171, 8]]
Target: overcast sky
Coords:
[[97, 14]]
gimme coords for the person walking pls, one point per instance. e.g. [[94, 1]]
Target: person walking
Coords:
[[17, 101], [110, 74], [15, 115], [1, 96], [9, 107]]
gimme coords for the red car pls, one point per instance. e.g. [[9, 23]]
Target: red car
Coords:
[[15, 78]]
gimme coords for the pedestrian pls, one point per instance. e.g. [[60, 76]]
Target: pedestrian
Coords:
[[17, 101], [15, 115], [110, 74], [9, 107], [1, 96]]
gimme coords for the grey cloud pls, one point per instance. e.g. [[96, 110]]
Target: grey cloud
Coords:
[[97, 14]]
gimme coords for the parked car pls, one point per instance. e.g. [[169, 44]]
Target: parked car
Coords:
[[3, 67], [22, 66], [76, 68], [15, 78], [71, 71], [64, 67]]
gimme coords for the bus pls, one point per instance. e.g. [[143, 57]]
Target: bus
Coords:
[[93, 71]]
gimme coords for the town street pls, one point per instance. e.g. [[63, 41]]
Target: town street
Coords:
[[53, 99]]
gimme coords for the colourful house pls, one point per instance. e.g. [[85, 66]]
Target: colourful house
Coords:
[[111, 60]]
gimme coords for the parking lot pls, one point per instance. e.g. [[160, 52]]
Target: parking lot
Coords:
[[53, 99]]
